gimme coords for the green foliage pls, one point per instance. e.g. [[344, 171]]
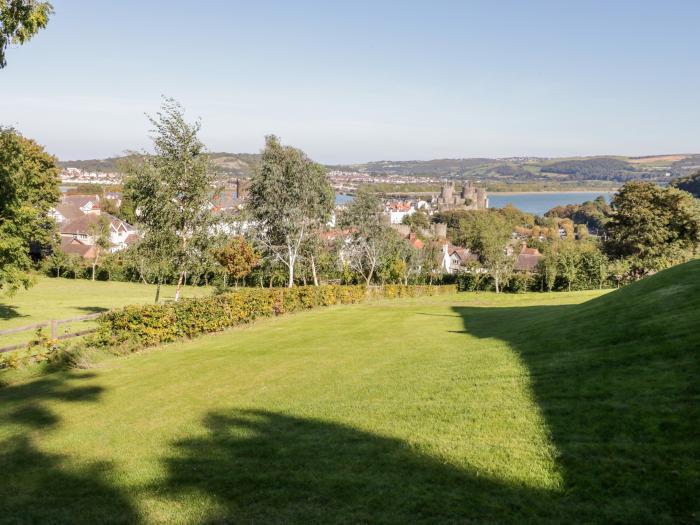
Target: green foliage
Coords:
[[290, 198], [170, 193], [147, 325], [28, 190], [373, 241], [20, 20], [594, 214], [418, 220], [689, 183], [487, 235], [653, 227]]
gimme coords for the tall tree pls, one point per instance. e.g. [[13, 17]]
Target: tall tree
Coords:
[[99, 231], [653, 227], [171, 191], [568, 261], [290, 197], [370, 233], [488, 234], [28, 190], [20, 20]]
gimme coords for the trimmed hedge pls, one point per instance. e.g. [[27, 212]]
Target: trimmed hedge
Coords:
[[137, 326]]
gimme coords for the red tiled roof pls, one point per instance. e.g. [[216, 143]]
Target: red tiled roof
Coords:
[[529, 251], [75, 247], [527, 262]]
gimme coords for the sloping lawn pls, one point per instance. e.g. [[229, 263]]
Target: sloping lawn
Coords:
[[542, 408], [68, 298]]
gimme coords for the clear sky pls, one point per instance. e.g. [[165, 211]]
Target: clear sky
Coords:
[[357, 81]]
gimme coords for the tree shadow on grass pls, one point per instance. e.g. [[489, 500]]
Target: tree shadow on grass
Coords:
[[618, 389], [267, 467], [93, 309], [9, 312], [40, 487]]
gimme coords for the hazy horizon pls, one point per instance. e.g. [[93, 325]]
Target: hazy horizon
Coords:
[[366, 81]]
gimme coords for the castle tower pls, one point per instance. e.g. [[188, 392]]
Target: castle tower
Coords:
[[446, 193], [482, 201]]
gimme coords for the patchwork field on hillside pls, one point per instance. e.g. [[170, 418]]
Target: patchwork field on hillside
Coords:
[[471, 408]]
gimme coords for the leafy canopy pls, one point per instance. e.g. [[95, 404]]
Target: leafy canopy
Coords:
[[653, 227], [20, 20], [28, 190]]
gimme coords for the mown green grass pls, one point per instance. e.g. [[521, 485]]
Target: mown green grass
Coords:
[[67, 298], [472, 408]]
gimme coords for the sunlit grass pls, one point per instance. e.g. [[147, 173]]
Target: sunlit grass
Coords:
[[465, 408]]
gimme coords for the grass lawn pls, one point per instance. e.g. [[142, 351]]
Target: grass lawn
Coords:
[[472, 408], [67, 298]]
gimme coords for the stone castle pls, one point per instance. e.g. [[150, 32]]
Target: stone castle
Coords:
[[469, 198]]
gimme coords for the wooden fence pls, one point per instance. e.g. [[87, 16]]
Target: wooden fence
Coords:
[[53, 324]]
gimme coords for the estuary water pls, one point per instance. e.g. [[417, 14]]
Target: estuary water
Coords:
[[535, 202]]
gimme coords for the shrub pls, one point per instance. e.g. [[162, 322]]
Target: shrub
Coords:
[[132, 327], [521, 283]]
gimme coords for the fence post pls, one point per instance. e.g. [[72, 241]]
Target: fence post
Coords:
[[54, 329]]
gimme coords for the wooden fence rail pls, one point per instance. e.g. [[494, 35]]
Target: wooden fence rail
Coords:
[[53, 323]]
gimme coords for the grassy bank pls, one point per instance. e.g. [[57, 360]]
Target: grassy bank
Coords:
[[533, 408]]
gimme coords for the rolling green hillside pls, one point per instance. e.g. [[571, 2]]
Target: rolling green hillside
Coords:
[[538, 172], [472, 408]]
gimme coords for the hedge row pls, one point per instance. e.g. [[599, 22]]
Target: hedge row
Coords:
[[148, 325]]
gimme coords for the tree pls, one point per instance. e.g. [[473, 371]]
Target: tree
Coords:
[[689, 183], [548, 268], [20, 20], [619, 270], [290, 197], [417, 221], [568, 260], [594, 264], [56, 262], [28, 190], [170, 191], [488, 235], [369, 233], [99, 231], [653, 227], [237, 257]]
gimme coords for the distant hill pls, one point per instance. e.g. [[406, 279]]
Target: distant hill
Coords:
[[231, 165], [579, 171], [521, 169]]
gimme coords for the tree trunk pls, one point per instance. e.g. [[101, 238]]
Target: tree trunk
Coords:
[[313, 270], [158, 289], [179, 286], [498, 290], [292, 262]]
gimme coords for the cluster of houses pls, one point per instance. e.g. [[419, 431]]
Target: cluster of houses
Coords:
[[77, 218], [453, 259]]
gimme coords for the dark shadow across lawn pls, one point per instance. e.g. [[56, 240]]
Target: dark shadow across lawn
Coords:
[[37, 487], [267, 467], [9, 312], [619, 391]]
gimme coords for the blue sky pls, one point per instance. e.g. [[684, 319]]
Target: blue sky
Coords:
[[359, 81]]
